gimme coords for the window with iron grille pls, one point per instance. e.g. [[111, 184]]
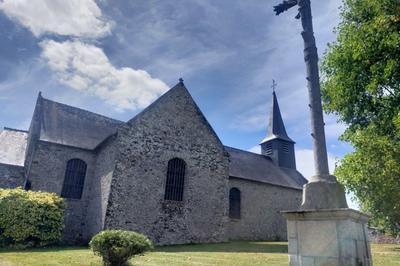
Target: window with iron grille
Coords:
[[74, 179], [234, 203], [175, 180]]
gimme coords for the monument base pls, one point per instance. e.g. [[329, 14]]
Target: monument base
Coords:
[[321, 194], [328, 237]]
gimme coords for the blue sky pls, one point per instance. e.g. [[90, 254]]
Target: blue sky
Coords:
[[116, 57]]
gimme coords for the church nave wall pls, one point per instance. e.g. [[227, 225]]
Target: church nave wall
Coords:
[[259, 210], [47, 173]]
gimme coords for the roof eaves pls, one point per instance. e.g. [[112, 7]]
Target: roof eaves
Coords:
[[266, 182], [15, 129]]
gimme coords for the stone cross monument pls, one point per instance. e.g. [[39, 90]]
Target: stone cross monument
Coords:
[[324, 231]]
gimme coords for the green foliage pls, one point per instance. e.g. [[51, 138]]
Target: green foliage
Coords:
[[116, 247], [361, 70], [361, 85], [372, 172], [29, 218]]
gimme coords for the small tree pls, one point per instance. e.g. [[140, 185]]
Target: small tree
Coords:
[[116, 247]]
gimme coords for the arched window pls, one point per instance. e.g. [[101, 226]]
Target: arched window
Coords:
[[74, 179], [175, 179], [234, 203]]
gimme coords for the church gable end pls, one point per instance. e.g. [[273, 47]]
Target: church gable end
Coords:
[[172, 128]]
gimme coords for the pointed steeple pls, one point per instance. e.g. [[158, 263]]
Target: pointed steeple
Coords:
[[276, 127], [277, 145]]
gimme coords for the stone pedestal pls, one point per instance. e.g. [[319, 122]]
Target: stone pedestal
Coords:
[[323, 192], [328, 237]]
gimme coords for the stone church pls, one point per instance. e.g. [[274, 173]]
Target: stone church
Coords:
[[164, 173]]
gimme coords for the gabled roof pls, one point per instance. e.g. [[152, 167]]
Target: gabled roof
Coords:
[[179, 90], [276, 127], [13, 146], [260, 168], [72, 126], [67, 125]]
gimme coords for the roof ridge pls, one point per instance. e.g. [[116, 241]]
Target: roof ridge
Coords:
[[252, 153], [81, 109], [179, 85], [266, 182], [148, 107], [15, 129]]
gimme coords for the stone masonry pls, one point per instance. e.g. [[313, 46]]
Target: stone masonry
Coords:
[[172, 127], [261, 205]]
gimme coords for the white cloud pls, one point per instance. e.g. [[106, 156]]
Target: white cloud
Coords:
[[252, 120], [255, 149], [86, 68], [305, 162], [79, 18], [333, 129], [305, 165]]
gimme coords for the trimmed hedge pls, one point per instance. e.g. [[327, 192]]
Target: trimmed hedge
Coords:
[[116, 247], [30, 219]]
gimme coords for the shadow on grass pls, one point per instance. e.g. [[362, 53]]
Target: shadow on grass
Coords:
[[44, 249], [234, 247], [227, 247]]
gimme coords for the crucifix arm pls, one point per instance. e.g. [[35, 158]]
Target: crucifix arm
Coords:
[[285, 5]]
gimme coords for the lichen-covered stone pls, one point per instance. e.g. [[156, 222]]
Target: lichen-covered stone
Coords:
[[11, 176], [260, 210], [172, 127]]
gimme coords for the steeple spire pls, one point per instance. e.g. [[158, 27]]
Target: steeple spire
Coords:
[[276, 127], [277, 145]]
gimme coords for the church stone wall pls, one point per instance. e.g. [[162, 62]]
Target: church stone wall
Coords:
[[171, 127], [260, 207], [33, 136], [100, 187], [11, 176], [47, 174]]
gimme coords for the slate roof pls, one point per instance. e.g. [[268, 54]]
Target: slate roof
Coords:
[[67, 125], [276, 128], [13, 146], [260, 168]]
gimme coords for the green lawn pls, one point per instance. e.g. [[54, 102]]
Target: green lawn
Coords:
[[233, 253]]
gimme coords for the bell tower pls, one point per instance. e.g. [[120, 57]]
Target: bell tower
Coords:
[[277, 144]]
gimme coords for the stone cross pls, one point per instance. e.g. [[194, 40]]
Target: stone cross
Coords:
[[323, 191], [274, 84], [325, 231]]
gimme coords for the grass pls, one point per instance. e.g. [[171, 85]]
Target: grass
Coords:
[[232, 253]]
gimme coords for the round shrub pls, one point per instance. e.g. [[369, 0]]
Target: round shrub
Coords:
[[29, 218], [116, 247]]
